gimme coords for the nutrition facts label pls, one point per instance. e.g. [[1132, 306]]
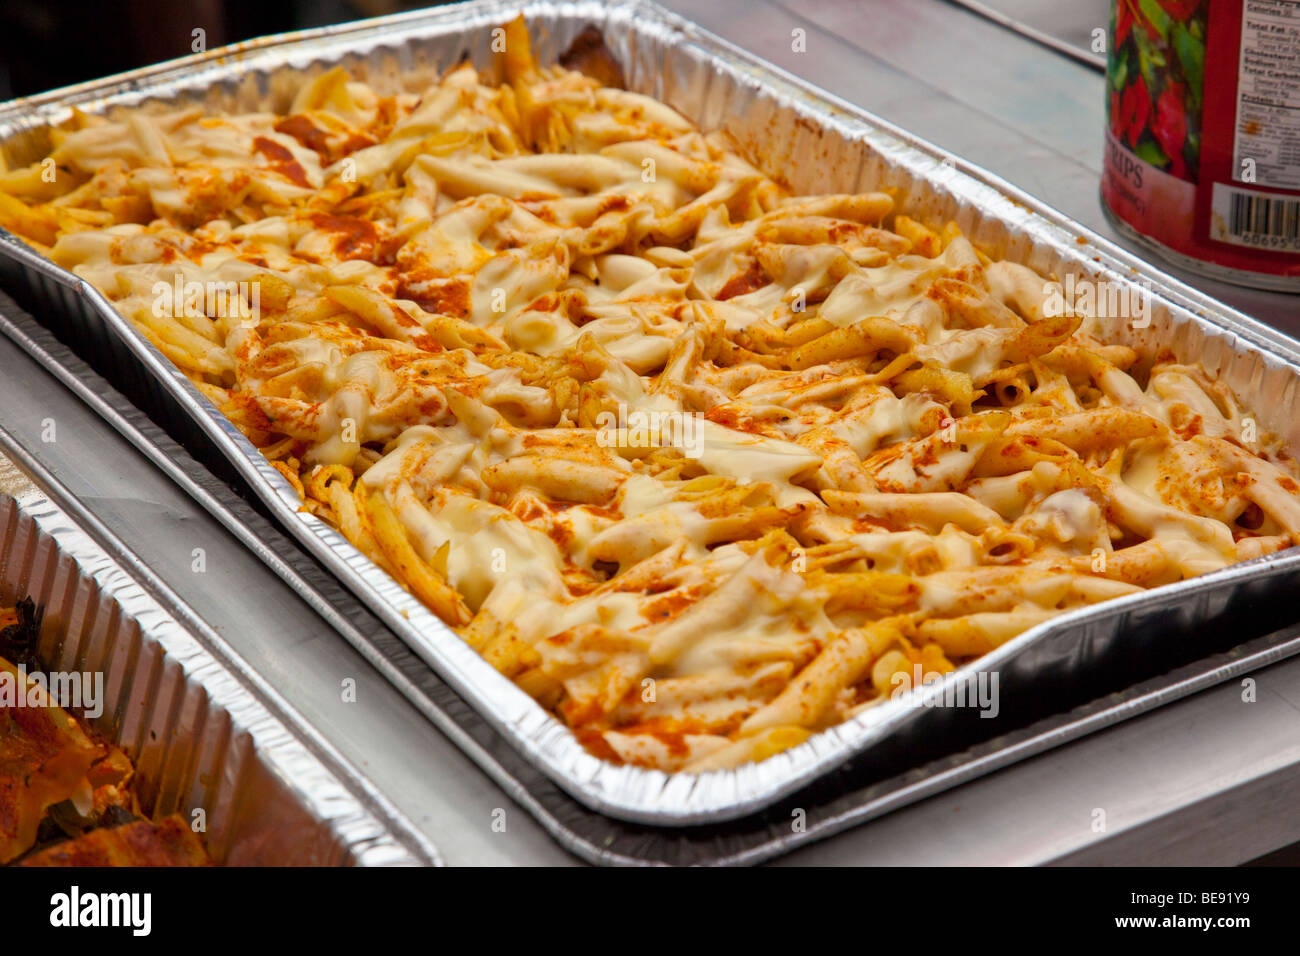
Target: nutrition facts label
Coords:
[[1268, 95]]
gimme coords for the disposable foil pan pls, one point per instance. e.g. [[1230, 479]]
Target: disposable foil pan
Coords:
[[813, 142], [198, 737], [832, 804]]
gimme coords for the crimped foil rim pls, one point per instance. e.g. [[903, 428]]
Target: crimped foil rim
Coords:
[[633, 793], [365, 838]]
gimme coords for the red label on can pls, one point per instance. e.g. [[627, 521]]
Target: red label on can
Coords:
[[1203, 137]]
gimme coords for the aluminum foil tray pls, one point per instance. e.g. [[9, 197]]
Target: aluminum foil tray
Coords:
[[198, 736], [833, 803], [815, 143]]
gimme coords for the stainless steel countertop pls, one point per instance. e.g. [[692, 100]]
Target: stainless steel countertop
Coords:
[[1194, 782], [438, 787], [979, 90], [1211, 779]]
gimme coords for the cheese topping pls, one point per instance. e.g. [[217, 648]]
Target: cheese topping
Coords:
[[703, 466]]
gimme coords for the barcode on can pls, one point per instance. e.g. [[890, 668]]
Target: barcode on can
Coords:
[[1260, 220]]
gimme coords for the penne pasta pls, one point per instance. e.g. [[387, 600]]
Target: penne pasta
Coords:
[[703, 466]]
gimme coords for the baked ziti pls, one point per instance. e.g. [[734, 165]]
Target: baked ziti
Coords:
[[703, 466]]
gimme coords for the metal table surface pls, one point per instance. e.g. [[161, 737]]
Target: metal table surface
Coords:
[[1210, 779]]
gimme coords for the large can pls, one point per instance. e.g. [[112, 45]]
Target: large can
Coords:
[[1203, 135]]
